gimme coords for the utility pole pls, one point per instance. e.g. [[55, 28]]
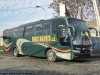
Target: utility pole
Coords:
[[96, 14], [43, 9], [63, 10]]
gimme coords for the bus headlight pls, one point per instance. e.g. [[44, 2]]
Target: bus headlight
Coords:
[[76, 51]]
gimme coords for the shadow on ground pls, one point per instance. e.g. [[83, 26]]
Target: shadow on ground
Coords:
[[28, 72]]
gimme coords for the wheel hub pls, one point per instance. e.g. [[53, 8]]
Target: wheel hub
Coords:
[[50, 56]]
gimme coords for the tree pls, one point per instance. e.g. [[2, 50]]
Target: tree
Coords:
[[76, 8]]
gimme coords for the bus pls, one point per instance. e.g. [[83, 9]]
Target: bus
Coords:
[[55, 38]]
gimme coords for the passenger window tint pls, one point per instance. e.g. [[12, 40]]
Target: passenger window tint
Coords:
[[38, 29], [28, 31], [47, 27], [7, 35], [60, 23], [21, 30], [15, 32]]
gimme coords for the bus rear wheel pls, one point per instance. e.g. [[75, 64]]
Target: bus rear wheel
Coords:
[[51, 55], [16, 53]]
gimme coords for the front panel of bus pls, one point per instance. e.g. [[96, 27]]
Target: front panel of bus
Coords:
[[82, 38], [75, 36]]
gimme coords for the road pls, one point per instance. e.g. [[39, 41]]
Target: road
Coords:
[[25, 65]]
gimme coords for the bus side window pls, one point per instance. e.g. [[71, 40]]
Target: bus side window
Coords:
[[5, 35], [38, 29], [47, 27], [28, 31], [15, 33], [21, 30], [60, 23], [10, 35], [6, 40]]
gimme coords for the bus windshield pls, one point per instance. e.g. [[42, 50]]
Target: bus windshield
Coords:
[[79, 25]]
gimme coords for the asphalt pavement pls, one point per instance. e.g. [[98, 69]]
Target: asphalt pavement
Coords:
[[26, 65]]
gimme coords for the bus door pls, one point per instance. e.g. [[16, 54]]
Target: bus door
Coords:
[[64, 37], [26, 47]]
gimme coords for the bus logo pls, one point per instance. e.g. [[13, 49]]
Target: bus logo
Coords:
[[47, 38]]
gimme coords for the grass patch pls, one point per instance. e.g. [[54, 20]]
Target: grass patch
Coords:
[[1, 47]]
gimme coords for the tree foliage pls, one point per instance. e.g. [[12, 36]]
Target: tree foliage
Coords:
[[76, 8]]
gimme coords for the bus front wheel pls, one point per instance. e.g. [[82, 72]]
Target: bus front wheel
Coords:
[[51, 55], [16, 52]]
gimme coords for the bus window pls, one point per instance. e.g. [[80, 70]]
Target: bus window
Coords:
[[28, 31], [21, 30], [60, 23], [15, 32], [38, 29], [47, 27], [9, 33], [5, 36], [6, 40]]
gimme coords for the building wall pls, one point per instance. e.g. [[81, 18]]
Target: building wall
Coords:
[[1, 41]]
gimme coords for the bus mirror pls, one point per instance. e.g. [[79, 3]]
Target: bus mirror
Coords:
[[72, 30], [92, 28]]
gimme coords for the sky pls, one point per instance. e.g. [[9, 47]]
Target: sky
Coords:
[[17, 12]]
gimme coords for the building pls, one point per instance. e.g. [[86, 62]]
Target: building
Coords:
[[1, 41]]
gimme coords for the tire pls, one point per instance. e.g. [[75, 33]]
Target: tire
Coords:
[[16, 53], [50, 55]]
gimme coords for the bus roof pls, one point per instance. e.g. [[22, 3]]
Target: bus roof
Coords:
[[40, 21], [76, 19]]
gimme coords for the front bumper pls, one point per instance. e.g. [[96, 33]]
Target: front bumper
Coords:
[[81, 55]]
